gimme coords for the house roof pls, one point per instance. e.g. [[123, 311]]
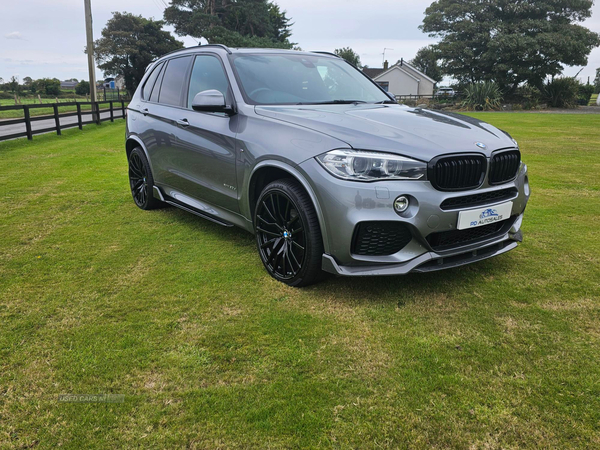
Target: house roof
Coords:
[[373, 72], [380, 72]]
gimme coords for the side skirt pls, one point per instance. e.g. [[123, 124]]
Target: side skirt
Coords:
[[171, 201]]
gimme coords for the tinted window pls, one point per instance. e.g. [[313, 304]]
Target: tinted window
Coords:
[[173, 81], [156, 89], [150, 82], [207, 74], [289, 78]]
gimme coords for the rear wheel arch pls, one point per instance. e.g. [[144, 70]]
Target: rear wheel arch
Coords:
[[271, 171], [133, 142]]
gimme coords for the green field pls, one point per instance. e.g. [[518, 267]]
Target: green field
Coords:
[[178, 315]]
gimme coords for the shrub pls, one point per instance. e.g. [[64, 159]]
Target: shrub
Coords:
[[483, 96], [82, 88], [561, 92], [48, 86], [527, 96], [584, 93]]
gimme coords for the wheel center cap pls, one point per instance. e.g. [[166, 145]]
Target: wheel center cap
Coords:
[[287, 234]]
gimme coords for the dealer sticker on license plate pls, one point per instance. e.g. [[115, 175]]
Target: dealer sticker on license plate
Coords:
[[483, 216]]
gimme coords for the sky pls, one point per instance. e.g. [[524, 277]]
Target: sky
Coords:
[[46, 39]]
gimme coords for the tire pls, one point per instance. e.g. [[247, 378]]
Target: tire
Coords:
[[141, 181], [288, 235]]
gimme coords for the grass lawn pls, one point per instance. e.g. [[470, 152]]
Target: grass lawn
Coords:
[[178, 315]]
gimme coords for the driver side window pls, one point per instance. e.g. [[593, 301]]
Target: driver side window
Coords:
[[207, 73]]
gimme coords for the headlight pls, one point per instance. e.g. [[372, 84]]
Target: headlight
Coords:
[[370, 166]]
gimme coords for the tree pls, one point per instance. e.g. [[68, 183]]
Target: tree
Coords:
[[241, 23], [426, 60], [46, 86], [27, 81], [349, 55], [509, 42], [82, 88], [129, 43], [596, 81], [13, 84]]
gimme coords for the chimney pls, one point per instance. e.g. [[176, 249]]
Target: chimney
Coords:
[[385, 65]]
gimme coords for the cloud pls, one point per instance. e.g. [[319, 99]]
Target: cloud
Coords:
[[14, 35]]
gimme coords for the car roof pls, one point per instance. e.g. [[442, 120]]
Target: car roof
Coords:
[[222, 49], [219, 48]]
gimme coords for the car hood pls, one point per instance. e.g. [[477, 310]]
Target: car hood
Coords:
[[414, 132]]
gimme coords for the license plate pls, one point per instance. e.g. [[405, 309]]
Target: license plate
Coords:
[[483, 216]]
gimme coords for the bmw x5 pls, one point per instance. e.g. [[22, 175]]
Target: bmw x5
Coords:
[[326, 170]]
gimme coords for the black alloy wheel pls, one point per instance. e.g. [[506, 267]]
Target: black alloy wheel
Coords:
[[288, 234], [141, 181]]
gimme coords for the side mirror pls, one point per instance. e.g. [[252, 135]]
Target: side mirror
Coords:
[[211, 101]]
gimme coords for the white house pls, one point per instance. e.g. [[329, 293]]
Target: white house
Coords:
[[401, 79]]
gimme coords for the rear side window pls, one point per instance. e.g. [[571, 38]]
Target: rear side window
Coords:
[[207, 74], [156, 89], [174, 81], [147, 90]]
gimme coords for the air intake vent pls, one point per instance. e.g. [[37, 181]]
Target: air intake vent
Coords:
[[446, 240], [380, 238], [457, 172], [485, 198], [504, 166]]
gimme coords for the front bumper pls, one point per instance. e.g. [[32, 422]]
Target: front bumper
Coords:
[[344, 204]]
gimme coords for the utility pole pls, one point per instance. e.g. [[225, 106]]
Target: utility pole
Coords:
[[90, 49]]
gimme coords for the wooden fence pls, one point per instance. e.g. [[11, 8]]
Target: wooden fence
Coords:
[[95, 112]]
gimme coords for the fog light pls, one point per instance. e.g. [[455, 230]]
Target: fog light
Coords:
[[401, 204]]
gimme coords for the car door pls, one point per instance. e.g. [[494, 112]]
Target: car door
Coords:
[[161, 112], [207, 144]]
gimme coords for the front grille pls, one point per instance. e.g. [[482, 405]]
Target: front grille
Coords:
[[504, 166], [470, 201], [455, 238], [457, 172], [380, 238]]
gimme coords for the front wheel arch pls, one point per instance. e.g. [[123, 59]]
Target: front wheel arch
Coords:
[[269, 171]]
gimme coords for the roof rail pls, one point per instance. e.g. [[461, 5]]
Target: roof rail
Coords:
[[224, 47], [326, 53]]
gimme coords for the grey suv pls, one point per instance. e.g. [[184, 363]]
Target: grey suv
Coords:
[[329, 173]]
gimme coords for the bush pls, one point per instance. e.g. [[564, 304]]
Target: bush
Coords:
[[47, 86], [561, 92], [483, 96], [584, 93], [82, 88], [527, 96]]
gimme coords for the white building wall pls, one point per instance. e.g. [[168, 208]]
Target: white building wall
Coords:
[[402, 83], [425, 87]]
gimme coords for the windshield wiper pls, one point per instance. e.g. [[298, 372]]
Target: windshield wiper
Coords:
[[333, 102]]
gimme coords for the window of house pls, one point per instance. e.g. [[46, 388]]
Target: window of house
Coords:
[[384, 85]]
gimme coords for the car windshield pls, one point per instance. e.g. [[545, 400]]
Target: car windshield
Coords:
[[283, 79]]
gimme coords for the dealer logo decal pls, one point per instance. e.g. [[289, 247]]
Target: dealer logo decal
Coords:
[[488, 216]]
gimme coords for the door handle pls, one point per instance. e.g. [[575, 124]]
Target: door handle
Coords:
[[145, 111], [183, 122]]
